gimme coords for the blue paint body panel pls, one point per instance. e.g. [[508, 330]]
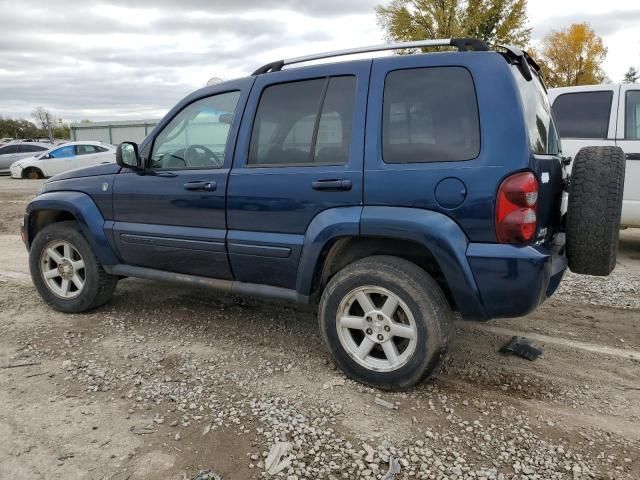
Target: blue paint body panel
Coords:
[[85, 211], [264, 230]]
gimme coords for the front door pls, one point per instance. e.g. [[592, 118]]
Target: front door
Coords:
[[299, 153], [171, 216], [628, 138]]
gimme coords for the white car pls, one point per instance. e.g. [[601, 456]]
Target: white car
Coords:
[[599, 115], [61, 158]]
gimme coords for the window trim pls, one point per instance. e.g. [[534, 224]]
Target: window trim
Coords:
[[147, 161], [475, 95], [316, 126], [626, 98], [582, 93]]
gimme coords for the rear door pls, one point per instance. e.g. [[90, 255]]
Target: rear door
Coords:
[[299, 153], [628, 138]]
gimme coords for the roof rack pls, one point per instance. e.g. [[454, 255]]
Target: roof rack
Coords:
[[463, 44]]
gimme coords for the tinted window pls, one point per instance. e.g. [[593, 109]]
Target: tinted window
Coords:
[[63, 152], [304, 123], [197, 136], [33, 148], [86, 149], [9, 149], [102, 149], [430, 115], [632, 115], [584, 114], [543, 136]]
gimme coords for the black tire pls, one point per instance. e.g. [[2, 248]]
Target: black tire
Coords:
[[594, 209], [423, 297], [99, 285], [33, 174]]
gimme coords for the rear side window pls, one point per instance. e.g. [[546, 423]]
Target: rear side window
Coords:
[[583, 114], [86, 149], [632, 115], [33, 148], [430, 115], [304, 123]]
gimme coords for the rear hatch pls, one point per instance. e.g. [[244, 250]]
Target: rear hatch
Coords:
[[546, 154]]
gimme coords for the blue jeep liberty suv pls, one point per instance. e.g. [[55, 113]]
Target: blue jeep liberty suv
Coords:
[[390, 192]]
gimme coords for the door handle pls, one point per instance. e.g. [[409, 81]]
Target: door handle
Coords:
[[200, 186], [331, 185], [633, 156]]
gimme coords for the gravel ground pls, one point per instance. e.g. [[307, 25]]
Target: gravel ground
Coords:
[[177, 383]]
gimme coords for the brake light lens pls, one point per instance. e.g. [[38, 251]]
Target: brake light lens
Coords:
[[516, 207]]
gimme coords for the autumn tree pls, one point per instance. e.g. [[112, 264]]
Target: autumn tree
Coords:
[[497, 22], [631, 76], [573, 56]]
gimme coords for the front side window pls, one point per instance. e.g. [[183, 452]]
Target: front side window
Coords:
[[632, 115], [304, 123], [64, 152], [197, 136], [9, 149], [583, 114], [430, 115]]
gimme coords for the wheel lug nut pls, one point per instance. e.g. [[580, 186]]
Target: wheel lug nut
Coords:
[[379, 317], [380, 337], [369, 319], [387, 328], [369, 331]]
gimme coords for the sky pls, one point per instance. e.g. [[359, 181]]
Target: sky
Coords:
[[85, 59]]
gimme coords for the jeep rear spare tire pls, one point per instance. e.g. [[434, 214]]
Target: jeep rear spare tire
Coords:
[[594, 209]]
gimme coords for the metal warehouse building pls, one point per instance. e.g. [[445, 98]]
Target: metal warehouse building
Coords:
[[113, 132]]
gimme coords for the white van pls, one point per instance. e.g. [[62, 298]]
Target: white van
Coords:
[[597, 115]]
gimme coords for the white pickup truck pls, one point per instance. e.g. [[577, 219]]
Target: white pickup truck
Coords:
[[603, 115]]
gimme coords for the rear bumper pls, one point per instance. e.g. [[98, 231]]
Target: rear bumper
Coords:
[[513, 281]]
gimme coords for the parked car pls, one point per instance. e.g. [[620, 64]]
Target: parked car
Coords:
[[5, 140], [604, 115], [16, 150], [67, 156], [389, 192]]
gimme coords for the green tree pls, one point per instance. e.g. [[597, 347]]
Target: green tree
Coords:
[[631, 76], [497, 22], [573, 56]]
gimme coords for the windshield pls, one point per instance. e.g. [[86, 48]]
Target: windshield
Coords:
[[541, 128]]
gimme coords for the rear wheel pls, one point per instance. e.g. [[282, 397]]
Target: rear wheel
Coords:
[[385, 322], [594, 210], [65, 271]]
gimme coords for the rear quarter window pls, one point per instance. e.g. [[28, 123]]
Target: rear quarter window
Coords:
[[583, 114], [430, 115]]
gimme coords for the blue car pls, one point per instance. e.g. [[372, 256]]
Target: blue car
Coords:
[[388, 192]]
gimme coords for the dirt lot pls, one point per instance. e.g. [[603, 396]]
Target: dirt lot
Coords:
[[165, 382]]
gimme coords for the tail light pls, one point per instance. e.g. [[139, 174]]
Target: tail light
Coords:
[[516, 207]]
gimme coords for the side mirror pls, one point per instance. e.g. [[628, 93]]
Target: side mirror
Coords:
[[47, 156], [127, 155]]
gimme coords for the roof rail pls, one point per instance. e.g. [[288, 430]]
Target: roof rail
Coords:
[[462, 44]]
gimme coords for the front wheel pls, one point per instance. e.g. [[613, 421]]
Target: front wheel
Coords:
[[65, 270], [386, 322]]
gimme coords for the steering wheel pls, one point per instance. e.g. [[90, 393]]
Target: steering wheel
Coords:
[[199, 155]]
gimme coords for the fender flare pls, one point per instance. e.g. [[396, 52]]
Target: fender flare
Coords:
[[325, 227], [439, 234], [86, 213]]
